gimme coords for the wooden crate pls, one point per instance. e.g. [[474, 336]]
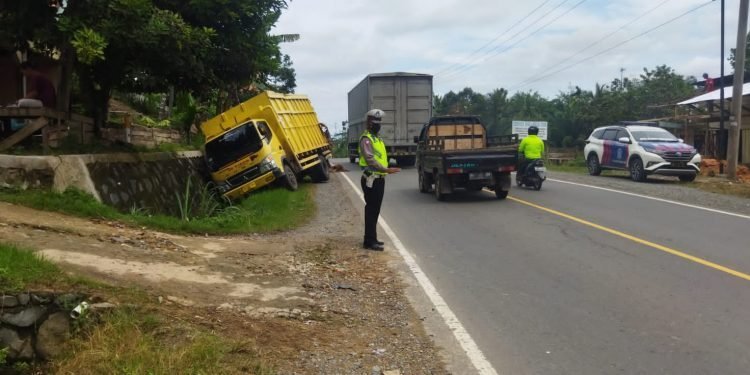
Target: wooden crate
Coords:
[[460, 137]]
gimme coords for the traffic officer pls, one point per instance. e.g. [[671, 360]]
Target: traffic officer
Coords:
[[373, 160]]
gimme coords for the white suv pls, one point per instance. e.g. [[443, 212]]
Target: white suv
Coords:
[[642, 150]]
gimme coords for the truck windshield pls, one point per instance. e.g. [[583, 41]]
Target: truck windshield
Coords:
[[656, 135], [236, 143]]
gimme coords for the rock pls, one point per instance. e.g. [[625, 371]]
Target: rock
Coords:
[[225, 306], [27, 351], [9, 339], [377, 371], [180, 301], [344, 286], [8, 301], [24, 299], [52, 335], [18, 348], [25, 318], [41, 298], [392, 372]]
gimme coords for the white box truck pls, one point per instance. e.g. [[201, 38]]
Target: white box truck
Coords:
[[406, 99]]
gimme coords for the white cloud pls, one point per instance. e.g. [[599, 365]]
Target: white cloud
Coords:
[[343, 41]]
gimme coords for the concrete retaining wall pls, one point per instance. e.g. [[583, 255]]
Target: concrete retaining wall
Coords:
[[125, 181], [142, 136]]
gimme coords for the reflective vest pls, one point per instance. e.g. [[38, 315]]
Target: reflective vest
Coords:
[[532, 147], [378, 151]]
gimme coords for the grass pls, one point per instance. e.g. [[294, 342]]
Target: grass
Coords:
[[21, 268], [722, 186], [136, 341], [265, 211], [131, 340]]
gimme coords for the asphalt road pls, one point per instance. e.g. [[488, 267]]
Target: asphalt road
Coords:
[[585, 281]]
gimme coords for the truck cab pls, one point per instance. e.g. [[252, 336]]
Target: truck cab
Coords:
[[244, 157]]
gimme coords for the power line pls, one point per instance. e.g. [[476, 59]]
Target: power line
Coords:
[[464, 67], [524, 38], [496, 38], [600, 40], [613, 47]]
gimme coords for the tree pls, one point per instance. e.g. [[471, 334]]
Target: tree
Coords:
[[574, 113], [747, 55], [198, 46]]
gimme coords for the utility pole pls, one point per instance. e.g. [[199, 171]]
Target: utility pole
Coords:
[[722, 134], [739, 74]]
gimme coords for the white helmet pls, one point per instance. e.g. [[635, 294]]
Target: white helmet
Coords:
[[375, 115]]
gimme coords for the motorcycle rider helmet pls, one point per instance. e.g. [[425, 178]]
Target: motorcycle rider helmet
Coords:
[[533, 130]]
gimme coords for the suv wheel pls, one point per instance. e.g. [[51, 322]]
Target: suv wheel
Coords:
[[637, 172], [592, 163]]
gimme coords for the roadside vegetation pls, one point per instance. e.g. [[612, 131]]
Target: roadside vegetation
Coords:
[[264, 211], [140, 337]]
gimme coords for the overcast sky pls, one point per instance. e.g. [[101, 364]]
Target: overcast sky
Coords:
[[473, 43]]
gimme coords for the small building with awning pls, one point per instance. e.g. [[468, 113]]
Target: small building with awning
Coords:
[[701, 116]]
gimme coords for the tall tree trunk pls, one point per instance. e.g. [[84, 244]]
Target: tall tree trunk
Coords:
[[66, 79]]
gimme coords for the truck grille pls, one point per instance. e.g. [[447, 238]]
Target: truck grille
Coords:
[[247, 175]]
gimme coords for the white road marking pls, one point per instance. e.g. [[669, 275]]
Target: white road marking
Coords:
[[475, 355], [654, 199]]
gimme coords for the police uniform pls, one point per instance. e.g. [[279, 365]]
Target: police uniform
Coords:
[[373, 159]]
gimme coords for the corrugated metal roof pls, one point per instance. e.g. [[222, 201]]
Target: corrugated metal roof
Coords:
[[715, 95]]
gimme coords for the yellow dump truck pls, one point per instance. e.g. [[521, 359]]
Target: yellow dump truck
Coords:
[[271, 137]]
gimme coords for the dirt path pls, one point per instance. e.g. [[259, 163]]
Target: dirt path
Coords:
[[310, 299]]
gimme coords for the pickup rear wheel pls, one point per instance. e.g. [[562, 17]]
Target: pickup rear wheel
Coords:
[[439, 185], [290, 180], [425, 182]]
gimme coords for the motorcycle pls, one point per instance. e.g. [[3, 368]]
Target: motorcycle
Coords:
[[533, 176]]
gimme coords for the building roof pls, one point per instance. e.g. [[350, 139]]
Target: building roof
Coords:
[[715, 95]]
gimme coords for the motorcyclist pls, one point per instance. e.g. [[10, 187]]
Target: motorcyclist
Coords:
[[530, 149]]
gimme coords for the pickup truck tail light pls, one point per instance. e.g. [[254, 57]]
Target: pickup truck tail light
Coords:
[[454, 171], [507, 168]]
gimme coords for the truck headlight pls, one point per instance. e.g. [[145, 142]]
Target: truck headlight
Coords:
[[267, 165], [222, 187]]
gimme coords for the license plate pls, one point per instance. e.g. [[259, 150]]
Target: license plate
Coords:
[[540, 169], [479, 175], [679, 164]]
